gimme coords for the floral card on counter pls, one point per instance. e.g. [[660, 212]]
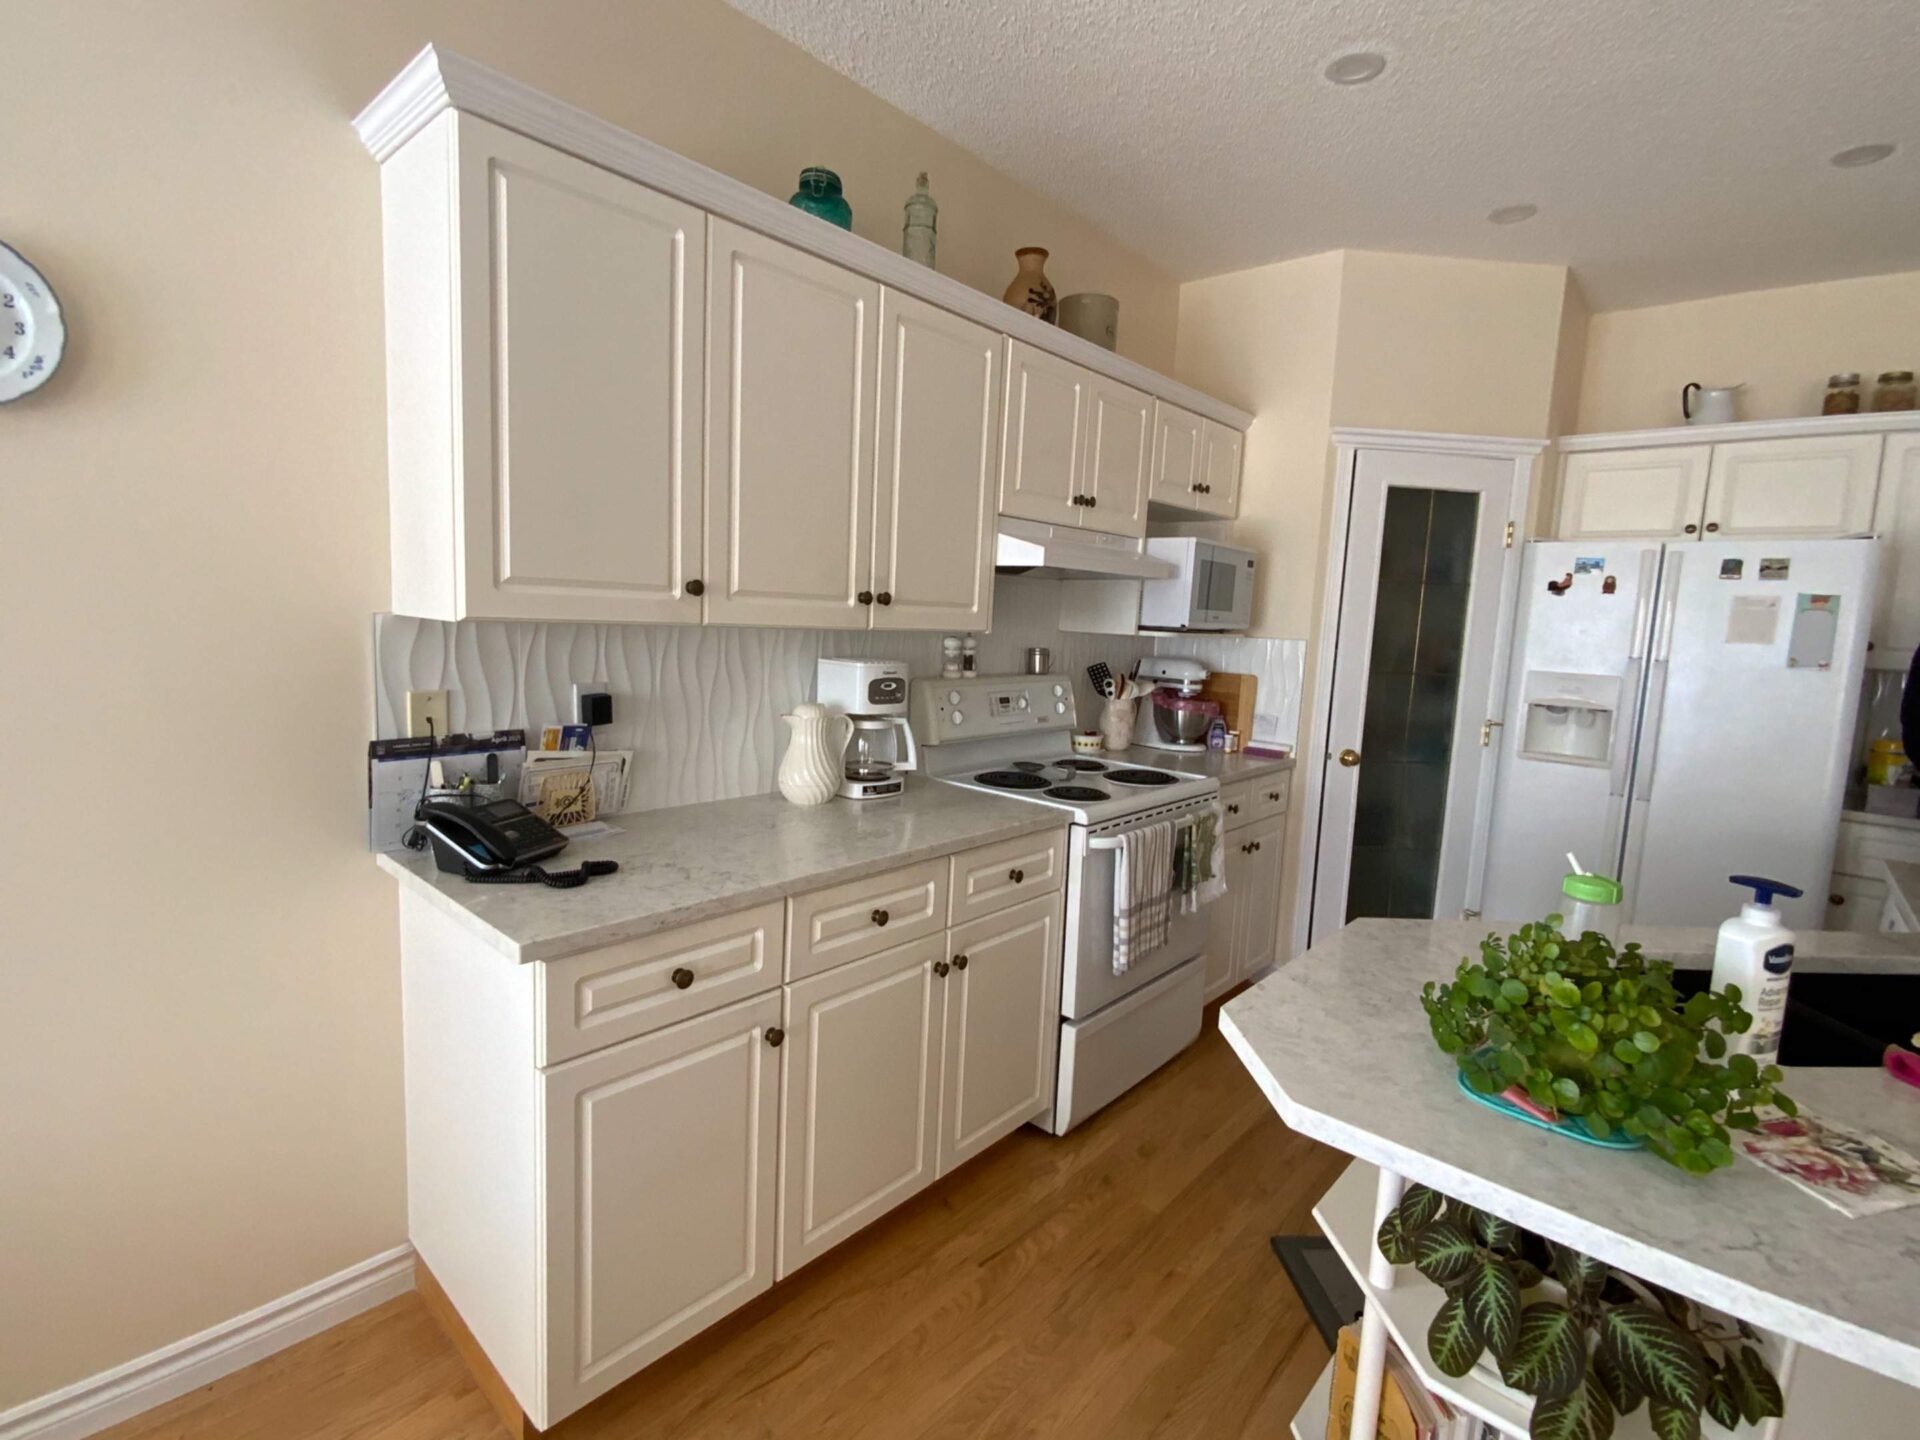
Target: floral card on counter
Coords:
[[1856, 1173]]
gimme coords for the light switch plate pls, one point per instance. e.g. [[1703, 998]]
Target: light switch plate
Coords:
[[424, 706]]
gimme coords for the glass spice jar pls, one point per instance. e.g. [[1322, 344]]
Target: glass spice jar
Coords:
[[1895, 390], [1843, 395]]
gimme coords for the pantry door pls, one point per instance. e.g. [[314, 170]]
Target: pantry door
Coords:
[[1422, 571]]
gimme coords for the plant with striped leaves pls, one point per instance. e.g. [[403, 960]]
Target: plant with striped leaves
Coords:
[[1587, 1340]]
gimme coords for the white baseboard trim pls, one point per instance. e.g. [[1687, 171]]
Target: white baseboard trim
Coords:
[[114, 1395]]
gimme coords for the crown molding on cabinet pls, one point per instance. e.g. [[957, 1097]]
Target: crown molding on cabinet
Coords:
[[1874, 422], [1432, 441], [437, 80]]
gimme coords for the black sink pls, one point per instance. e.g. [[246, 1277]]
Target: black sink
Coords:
[[1838, 1019]]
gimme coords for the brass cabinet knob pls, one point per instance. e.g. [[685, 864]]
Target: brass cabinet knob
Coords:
[[1713, 527], [1273, 794], [1693, 529], [1836, 899], [682, 978], [879, 917], [775, 1035], [959, 962], [940, 968], [1233, 809], [865, 597], [696, 587], [1349, 758], [885, 597], [1016, 875], [1093, 502]]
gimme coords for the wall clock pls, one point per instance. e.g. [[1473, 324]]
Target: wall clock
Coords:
[[32, 334]]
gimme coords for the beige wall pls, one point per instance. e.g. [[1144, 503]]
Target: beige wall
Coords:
[[199, 1023], [1783, 343]]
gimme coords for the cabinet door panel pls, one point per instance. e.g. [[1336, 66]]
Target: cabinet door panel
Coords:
[[791, 368], [1260, 886], [1002, 1027], [1119, 453], [1177, 447], [935, 488], [1220, 470], [660, 1194], [1041, 462], [860, 1096], [1803, 488], [1616, 493], [580, 386], [1896, 615], [1223, 920]]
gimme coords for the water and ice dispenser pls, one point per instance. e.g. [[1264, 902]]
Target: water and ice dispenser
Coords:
[[1569, 718]]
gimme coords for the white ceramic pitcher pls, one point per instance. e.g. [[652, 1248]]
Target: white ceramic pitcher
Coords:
[[810, 770], [1709, 404]]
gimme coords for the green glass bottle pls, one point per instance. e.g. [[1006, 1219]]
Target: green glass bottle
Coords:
[[819, 194]]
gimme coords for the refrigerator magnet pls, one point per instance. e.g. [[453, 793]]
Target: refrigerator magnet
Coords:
[[1775, 567], [1732, 568], [1753, 620], [1816, 626]]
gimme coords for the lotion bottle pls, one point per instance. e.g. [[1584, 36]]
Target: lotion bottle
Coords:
[[1755, 952]]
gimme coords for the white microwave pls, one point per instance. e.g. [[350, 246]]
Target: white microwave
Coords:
[[1211, 587]]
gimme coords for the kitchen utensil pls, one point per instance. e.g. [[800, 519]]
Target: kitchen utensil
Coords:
[[1181, 724], [810, 770], [1709, 404], [872, 696], [1039, 660], [1116, 724], [1101, 676], [1183, 719]]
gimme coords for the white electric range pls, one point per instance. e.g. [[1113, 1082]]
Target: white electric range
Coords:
[[1012, 735]]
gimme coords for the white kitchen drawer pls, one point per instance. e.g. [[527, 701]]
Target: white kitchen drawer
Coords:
[[603, 996], [1268, 794], [996, 876], [1855, 902], [1237, 800], [865, 916], [1862, 842]]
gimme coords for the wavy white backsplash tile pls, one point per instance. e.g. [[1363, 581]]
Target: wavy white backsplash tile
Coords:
[[699, 706]]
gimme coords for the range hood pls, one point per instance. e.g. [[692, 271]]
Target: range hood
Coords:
[[1029, 547]]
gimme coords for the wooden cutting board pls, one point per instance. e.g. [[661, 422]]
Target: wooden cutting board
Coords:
[[1235, 694]]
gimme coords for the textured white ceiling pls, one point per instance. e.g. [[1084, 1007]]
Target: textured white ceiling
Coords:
[[1676, 148]]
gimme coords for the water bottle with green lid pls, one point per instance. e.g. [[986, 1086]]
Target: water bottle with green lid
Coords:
[[1596, 904]]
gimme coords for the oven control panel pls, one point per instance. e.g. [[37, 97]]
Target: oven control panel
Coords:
[[981, 706]]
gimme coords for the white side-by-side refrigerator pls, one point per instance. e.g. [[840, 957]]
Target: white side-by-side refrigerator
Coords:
[[1676, 714]]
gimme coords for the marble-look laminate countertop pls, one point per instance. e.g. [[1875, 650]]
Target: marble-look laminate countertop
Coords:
[[1340, 1045], [1241, 765], [696, 861]]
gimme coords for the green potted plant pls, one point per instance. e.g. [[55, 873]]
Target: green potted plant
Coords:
[[1586, 1340], [1601, 1036]]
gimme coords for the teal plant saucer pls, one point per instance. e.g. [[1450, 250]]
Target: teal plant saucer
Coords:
[[1571, 1126]]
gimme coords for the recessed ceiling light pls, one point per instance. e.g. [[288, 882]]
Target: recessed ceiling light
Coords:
[[1357, 68], [1858, 155], [1513, 214]]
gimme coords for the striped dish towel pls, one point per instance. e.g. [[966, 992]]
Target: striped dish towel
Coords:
[[1198, 876], [1142, 892]]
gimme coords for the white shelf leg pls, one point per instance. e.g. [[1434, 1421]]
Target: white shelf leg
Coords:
[[1783, 1372], [1372, 1365]]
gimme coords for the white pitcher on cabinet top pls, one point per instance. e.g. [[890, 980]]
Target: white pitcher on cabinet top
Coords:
[[810, 770], [1709, 404]]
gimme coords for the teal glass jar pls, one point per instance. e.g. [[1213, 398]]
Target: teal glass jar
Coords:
[[819, 194]]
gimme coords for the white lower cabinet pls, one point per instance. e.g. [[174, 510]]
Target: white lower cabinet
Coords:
[[1260, 893], [1244, 935], [659, 1193], [1002, 1027], [860, 1094]]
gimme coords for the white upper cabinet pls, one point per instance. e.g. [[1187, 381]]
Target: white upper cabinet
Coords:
[[936, 467], [1042, 461], [791, 373], [1804, 487], [1177, 443], [1119, 453], [1896, 613], [554, 473], [1196, 463], [1609, 494]]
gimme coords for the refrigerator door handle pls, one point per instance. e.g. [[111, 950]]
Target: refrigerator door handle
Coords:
[[1650, 730], [1624, 723], [1642, 597], [1669, 602]]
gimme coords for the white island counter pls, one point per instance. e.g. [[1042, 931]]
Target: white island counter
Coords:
[[1340, 1044]]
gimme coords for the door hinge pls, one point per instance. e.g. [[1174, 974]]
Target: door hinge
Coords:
[[1509, 544], [1487, 727]]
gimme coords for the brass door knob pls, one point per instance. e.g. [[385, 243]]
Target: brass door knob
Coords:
[[1349, 758], [682, 978]]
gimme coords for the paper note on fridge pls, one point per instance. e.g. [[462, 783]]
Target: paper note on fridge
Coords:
[[1816, 621], [1753, 620]]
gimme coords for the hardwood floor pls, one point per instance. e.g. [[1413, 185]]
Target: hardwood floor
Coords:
[[1116, 1283]]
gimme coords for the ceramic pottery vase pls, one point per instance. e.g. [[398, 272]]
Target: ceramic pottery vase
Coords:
[[810, 770], [916, 239], [819, 194], [1031, 291]]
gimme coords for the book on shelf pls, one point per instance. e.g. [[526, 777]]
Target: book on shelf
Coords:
[[1408, 1410]]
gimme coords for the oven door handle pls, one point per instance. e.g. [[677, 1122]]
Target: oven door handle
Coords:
[[1112, 842]]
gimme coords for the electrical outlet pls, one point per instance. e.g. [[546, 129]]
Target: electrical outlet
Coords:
[[424, 706], [583, 688]]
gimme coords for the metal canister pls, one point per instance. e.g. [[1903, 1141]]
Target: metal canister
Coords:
[[1039, 660]]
